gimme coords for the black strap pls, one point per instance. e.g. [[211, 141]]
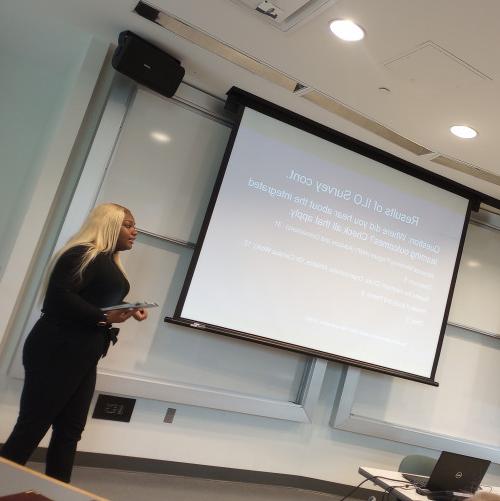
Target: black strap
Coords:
[[111, 334]]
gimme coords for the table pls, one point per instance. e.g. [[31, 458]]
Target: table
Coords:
[[15, 478], [399, 486]]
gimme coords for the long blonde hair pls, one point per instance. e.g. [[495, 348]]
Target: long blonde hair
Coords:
[[99, 233]]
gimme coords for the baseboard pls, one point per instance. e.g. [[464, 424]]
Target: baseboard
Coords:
[[115, 462]]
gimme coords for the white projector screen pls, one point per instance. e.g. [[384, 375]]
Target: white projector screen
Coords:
[[314, 247]]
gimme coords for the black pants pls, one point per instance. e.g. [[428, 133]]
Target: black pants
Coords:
[[60, 367]]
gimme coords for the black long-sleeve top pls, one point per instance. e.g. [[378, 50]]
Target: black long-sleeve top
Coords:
[[79, 301]]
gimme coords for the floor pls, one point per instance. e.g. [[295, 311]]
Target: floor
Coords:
[[118, 485]]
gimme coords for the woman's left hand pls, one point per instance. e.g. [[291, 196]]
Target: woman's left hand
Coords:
[[140, 315]]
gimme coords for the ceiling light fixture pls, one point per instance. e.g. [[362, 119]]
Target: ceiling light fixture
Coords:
[[347, 30], [463, 131]]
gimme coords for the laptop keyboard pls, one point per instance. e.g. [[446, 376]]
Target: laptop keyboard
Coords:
[[416, 480]]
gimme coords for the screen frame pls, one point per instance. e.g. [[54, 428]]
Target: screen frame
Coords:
[[237, 101]]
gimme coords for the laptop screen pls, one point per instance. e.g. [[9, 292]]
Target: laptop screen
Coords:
[[455, 472]]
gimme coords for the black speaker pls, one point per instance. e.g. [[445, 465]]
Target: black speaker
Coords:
[[147, 64]]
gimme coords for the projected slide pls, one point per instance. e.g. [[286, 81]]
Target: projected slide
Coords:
[[314, 245]]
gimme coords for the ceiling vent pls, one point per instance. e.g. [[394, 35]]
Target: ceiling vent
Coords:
[[333, 105], [285, 14], [433, 66], [466, 168]]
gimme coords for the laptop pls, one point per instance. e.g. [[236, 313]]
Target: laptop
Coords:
[[452, 473]]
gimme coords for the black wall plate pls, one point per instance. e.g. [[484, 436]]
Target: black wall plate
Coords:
[[114, 408]]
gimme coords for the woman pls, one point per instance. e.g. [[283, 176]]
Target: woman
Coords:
[[62, 350]]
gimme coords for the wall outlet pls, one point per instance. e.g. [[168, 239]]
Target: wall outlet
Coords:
[[114, 408], [169, 416]]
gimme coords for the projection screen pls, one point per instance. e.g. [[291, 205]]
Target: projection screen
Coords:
[[317, 248]]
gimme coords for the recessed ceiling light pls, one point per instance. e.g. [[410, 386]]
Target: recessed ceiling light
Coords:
[[160, 137], [463, 131], [347, 30], [473, 264]]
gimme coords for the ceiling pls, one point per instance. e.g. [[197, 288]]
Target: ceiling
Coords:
[[423, 66]]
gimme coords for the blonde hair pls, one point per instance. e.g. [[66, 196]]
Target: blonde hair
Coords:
[[99, 233]]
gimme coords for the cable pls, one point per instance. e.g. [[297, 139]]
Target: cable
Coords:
[[371, 478], [387, 492], [482, 487], [356, 488]]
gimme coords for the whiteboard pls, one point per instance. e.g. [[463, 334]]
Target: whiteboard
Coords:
[[164, 166], [476, 298], [461, 415], [468, 365]]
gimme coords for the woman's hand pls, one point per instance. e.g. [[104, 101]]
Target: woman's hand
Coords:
[[140, 314], [119, 316]]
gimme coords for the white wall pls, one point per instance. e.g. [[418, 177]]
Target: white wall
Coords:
[[33, 94], [219, 438], [48, 74]]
